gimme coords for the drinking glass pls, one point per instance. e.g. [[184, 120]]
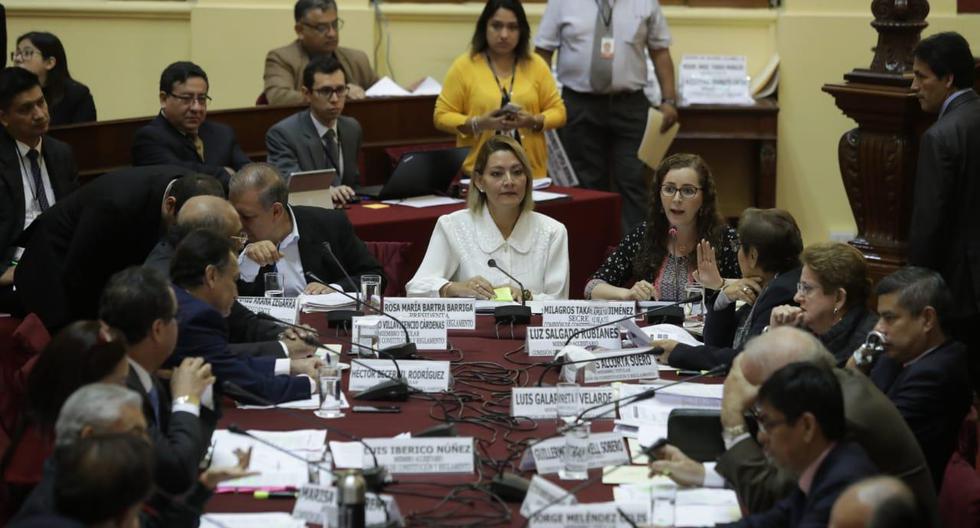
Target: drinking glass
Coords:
[[371, 291], [329, 392], [273, 284], [575, 454], [694, 311], [567, 402]]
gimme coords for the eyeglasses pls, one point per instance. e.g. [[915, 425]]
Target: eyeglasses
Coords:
[[765, 424], [240, 240], [24, 54], [327, 92], [804, 288], [322, 29], [687, 191], [189, 99]]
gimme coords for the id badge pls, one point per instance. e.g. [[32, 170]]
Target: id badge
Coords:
[[607, 47]]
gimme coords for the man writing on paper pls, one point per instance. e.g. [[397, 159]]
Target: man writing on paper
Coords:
[[289, 240], [317, 34], [602, 68], [320, 137]]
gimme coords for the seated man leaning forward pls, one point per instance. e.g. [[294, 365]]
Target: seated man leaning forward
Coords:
[[293, 240], [497, 224], [801, 427], [320, 137], [317, 35], [203, 271]]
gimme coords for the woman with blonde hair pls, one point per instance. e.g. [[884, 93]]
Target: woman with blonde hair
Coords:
[[497, 224]]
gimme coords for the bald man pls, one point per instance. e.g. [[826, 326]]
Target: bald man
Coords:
[[249, 334], [878, 502], [872, 421]]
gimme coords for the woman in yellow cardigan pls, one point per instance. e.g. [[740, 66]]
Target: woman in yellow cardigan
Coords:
[[501, 87]]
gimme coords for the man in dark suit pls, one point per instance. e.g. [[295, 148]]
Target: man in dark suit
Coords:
[[108, 225], [923, 372], [140, 303], [320, 137], [802, 427], [179, 135], [290, 240], [872, 421], [248, 333], [945, 229], [35, 170], [769, 259], [204, 270]]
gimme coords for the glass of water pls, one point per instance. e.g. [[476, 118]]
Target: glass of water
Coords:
[[567, 402], [694, 311], [575, 453], [330, 399], [371, 291], [273, 284]]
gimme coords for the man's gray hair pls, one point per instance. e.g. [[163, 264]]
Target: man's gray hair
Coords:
[[264, 178], [98, 405], [783, 345]]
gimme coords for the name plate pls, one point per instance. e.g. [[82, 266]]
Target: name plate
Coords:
[[543, 492], [427, 334], [422, 455], [584, 313], [318, 504], [283, 308], [605, 449], [426, 376], [460, 314], [714, 79], [593, 515], [548, 340], [641, 365], [541, 402]]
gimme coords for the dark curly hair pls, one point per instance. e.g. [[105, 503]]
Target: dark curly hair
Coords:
[[710, 222]]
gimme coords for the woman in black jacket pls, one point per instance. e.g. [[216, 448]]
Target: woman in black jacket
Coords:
[[69, 101]]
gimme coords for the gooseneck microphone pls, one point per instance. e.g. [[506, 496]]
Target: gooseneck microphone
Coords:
[[510, 313], [402, 350], [547, 366]]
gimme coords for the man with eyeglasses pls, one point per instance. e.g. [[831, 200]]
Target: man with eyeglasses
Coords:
[[320, 137], [317, 34], [180, 135], [35, 171]]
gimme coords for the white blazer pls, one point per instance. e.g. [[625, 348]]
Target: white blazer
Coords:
[[536, 254]]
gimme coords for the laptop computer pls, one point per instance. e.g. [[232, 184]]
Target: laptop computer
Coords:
[[311, 187], [420, 173]]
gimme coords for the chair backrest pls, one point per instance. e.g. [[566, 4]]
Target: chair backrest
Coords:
[[22, 341], [393, 257]]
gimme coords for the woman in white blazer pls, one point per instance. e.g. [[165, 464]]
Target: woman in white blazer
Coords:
[[497, 224]]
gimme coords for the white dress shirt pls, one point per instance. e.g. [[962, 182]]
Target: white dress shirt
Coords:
[[290, 267], [32, 207], [637, 25], [536, 253]]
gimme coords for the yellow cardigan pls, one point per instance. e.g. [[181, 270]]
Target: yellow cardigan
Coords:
[[469, 90]]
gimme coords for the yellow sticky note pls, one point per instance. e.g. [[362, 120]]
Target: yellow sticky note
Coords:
[[502, 294], [376, 206]]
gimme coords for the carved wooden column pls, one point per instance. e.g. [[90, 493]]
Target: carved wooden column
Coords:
[[877, 159]]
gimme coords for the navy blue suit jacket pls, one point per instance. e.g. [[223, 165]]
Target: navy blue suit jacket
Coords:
[[720, 326], [203, 332], [846, 464], [159, 143], [933, 395]]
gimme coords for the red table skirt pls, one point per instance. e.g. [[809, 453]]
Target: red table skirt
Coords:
[[591, 217]]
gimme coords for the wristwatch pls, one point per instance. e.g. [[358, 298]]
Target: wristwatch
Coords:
[[729, 434], [669, 100], [190, 400]]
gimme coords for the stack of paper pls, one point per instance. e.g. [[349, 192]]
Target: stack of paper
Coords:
[[276, 469], [428, 200], [648, 418], [545, 196], [386, 87], [705, 507], [251, 520], [324, 302]]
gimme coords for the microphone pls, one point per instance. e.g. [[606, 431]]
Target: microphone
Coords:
[[403, 350], [511, 314], [375, 476], [395, 389], [651, 311], [339, 317], [306, 337]]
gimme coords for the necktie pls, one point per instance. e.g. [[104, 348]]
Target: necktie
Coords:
[[39, 193], [333, 153], [199, 146], [154, 396], [601, 70]]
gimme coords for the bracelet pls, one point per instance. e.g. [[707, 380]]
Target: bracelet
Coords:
[[191, 400], [538, 125], [669, 100]]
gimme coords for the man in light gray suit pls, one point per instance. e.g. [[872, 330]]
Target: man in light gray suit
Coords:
[[320, 138]]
